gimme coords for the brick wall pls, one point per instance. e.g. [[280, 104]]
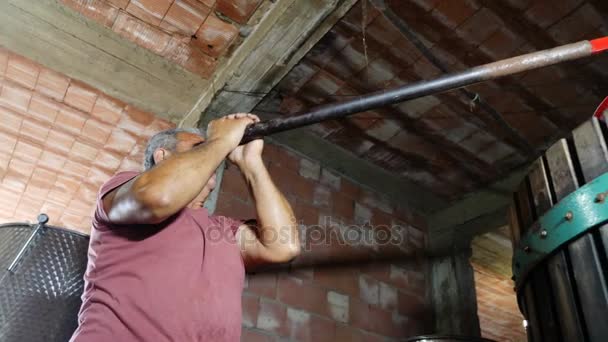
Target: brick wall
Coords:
[[499, 315], [191, 33], [60, 140], [333, 292]]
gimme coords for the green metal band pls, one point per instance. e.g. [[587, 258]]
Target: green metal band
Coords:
[[580, 211]]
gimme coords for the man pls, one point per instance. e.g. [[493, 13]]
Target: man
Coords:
[[160, 268]]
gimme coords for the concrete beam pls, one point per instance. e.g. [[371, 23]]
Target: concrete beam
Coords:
[[63, 40], [443, 241], [301, 26], [334, 157], [492, 199]]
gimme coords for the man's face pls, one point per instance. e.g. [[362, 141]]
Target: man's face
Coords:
[[185, 142]]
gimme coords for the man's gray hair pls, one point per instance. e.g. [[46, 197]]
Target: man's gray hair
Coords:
[[167, 140]]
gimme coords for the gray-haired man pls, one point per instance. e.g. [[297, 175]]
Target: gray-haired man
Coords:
[[160, 267]]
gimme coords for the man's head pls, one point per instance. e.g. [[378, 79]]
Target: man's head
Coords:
[[178, 140]]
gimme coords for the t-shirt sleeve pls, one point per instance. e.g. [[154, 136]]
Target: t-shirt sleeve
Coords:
[[101, 217], [228, 223]]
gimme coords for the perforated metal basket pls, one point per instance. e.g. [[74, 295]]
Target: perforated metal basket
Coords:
[[40, 294]]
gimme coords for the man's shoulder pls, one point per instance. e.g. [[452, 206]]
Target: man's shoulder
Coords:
[[119, 178]]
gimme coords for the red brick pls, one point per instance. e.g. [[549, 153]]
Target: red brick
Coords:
[[15, 180], [128, 164], [381, 322], [341, 278], [71, 221], [108, 160], [99, 11], [4, 54], [70, 120], [52, 160], [22, 71], [140, 32], [546, 13], [302, 188], [81, 151], [76, 169], [156, 126], [302, 295], [346, 333], [282, 178], [60, 141], [343, 206], [11, 121], [9, 198], [83, 201], [256, 336], [322, 330], [236, 208], [321, 196], [502, 44], [190, 57], [135, 121], [263, 284], [15, 97], [398, 277], [62, 192], [359, 314], [281, 157], [238, 10], [120, 141], [27, 151], [251, 306], [306, 214], [81, 96], [452, 13], [234, 183], [215, 36], [298, 325], [96, 131], [480, 26], [377, 270], [5, 158], [44, 108], [119, 3], [410, 305], [185, 15], [369, 290], [107, 110], [578, 25], [349, 188], [28, 207], [150, 11], [97, 176], [272, 317]]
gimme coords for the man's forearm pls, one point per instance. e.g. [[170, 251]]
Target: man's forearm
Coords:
[[174, 183], [277, 227]]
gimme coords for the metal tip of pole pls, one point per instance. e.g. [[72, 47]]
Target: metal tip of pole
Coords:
[[599, 45]]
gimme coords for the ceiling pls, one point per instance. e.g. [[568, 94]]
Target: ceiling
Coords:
[[455, 142], [192, 55]]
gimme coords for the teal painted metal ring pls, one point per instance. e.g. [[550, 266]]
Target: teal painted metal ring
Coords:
[[582, 210]]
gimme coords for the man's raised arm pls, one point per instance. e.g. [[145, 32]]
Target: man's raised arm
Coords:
[[162, 191]]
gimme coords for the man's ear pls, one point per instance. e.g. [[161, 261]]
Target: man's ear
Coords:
[[160, 154]]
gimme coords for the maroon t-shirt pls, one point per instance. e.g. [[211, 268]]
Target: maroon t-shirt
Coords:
[[177, 281]]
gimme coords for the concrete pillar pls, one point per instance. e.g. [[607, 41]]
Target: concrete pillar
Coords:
[[453, 294]]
